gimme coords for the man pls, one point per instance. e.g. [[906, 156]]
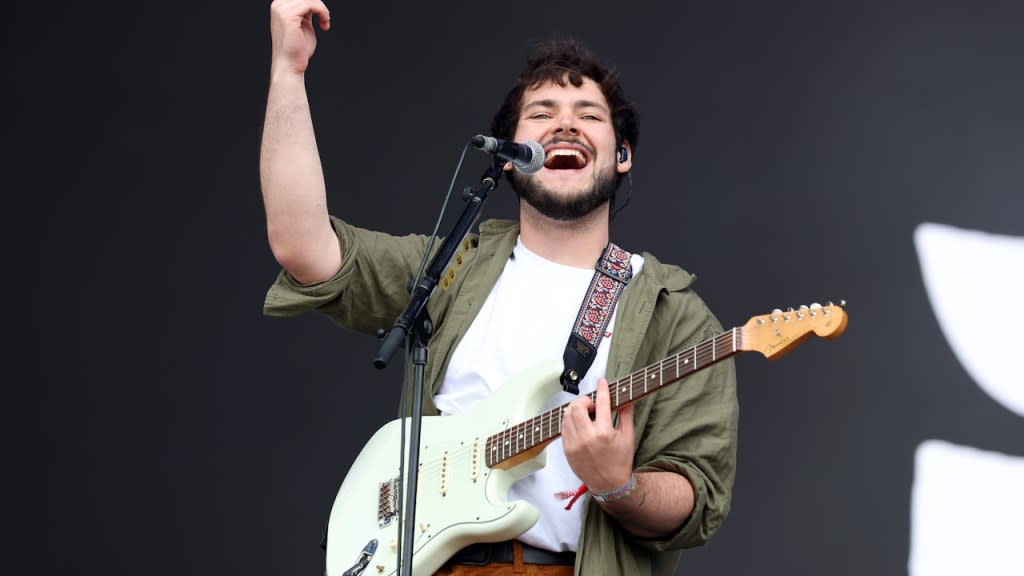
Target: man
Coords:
[[661, 472]]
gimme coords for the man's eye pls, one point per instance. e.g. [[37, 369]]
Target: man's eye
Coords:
[[540, 116], [591, 117]]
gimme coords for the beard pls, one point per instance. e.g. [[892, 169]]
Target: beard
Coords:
[[529, 189]]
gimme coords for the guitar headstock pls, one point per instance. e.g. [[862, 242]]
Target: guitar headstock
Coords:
[[777, 333]]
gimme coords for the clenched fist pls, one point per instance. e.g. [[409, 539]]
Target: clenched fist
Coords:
[[292, 33]]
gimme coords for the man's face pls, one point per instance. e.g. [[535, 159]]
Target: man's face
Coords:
[[575, 127]]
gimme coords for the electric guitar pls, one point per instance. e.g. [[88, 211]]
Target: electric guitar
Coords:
[[469, 461]]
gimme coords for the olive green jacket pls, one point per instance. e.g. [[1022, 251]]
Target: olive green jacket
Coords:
[[689, 427]]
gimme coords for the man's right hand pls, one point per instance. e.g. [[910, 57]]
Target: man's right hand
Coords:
[[292, 34]]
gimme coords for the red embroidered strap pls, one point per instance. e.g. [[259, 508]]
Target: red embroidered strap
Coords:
[[611, 275]]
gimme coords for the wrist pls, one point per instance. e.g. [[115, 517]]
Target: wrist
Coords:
[[616, 493], [283, 71]]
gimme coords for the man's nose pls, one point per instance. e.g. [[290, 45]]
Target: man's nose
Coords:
[[566, 124]]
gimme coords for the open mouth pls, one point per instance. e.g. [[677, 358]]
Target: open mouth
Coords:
[[565, 159]]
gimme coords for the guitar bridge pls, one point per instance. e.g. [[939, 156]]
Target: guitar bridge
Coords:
[[387, 503]]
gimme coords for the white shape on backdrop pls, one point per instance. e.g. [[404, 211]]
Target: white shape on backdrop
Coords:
[[967, 509], [967, 503], [975, 282]]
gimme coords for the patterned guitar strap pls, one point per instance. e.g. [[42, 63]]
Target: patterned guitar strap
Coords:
[[611, 275]]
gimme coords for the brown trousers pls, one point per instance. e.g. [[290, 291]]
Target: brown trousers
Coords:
[[504, 569]]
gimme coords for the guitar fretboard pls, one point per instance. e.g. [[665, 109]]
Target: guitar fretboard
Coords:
[[542, 428]]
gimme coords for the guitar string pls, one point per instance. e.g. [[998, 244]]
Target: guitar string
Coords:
[[525, 439], [703, 351], [523, 436], [550, 426], [699, 353]]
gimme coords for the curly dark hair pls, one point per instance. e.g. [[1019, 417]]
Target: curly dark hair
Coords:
[[566, 61]]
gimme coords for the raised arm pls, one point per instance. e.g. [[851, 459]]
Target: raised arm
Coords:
[[294, 193]]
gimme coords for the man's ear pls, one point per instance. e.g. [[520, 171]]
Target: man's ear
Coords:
[[625, 158]]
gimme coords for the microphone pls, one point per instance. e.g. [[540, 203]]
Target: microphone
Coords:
[[527, 157]]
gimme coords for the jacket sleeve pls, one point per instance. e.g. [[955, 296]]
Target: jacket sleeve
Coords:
[[691, 427], [369, 290]]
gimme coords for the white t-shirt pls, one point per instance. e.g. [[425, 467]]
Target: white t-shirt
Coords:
[[527, 319]]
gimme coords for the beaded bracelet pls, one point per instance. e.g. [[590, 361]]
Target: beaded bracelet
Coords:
[[618, 493]]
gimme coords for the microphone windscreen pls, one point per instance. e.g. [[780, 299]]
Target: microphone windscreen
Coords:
[[536, 159]]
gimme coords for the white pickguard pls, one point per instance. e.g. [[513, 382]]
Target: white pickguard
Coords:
[[460, 501]]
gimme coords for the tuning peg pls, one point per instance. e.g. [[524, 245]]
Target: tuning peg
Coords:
[[775, 315], [815, 305]]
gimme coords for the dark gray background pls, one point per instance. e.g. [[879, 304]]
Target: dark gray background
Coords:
[[162, 425]]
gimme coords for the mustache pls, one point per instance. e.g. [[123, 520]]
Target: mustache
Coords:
[[567, 140]]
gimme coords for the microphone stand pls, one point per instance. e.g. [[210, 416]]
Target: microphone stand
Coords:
[[415, 327]]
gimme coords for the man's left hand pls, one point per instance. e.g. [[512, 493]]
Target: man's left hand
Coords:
[[599, 453]]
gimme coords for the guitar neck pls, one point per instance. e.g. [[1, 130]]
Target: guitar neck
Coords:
[[538, 431]]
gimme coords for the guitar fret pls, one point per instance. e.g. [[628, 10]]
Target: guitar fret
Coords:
[[535, 431]]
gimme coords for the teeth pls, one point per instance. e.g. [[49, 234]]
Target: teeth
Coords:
[[565, 158], [567, 152]]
